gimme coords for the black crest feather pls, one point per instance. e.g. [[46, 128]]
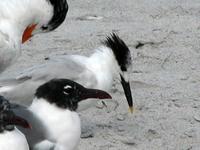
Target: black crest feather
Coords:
[[120, 50], [60, 11]]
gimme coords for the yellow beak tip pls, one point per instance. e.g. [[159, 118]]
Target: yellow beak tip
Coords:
[[131, 110]]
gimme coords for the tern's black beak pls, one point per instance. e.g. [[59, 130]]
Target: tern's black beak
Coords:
[[16, 120], [94, 93], [128, 94]]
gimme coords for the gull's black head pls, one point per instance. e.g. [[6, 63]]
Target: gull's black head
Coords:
[[7, 117], [122, 55], [60, 8], [66, 93]]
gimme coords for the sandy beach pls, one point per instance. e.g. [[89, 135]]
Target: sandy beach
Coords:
[[164, 39]]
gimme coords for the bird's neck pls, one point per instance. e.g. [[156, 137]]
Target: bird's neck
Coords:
[[42, 108], [104, 65]]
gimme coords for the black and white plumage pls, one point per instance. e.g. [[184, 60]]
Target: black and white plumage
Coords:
[[20, 20], [53, 115], [10, 137], [110, 61]]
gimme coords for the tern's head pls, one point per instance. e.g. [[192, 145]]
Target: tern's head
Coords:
[[55, 16], [7, 117], [66, 93], [123, 59]]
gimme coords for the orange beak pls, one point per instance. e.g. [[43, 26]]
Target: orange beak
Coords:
[[28, 32]]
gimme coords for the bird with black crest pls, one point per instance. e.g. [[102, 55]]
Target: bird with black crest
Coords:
[[111, 61]]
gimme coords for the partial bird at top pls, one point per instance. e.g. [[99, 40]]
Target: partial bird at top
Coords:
[[22, 19], [110, 61]]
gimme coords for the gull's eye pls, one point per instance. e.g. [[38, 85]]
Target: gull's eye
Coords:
[[68, 90]]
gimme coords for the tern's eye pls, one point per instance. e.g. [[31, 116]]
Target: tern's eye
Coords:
[[44, 27]]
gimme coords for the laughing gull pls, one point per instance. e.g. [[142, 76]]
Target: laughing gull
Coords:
[[110, 61], [21, 19], [53, 115], [10, 137]]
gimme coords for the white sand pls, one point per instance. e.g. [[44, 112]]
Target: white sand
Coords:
[[165, 78]]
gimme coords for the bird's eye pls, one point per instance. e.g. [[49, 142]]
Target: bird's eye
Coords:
[[44, 27], [67, 90]]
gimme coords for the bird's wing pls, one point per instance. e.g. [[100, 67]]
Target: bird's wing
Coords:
[[22, 88]]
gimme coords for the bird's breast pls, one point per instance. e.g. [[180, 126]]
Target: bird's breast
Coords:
[[62, 125]]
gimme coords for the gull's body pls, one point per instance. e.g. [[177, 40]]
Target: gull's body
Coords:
[[107, 63], [21, 19]]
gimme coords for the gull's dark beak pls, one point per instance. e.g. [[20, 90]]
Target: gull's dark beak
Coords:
[[128, 94], [16, 120], [94, 93]]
